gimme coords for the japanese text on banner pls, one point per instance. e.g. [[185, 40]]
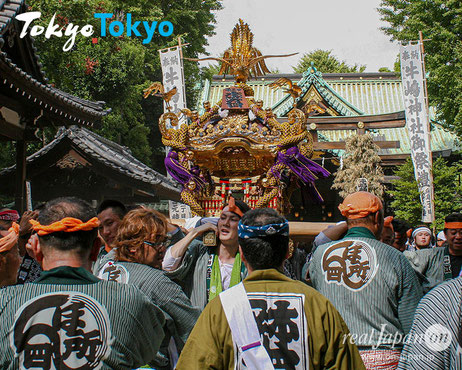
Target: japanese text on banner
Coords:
[[173, 76], [412, 73]]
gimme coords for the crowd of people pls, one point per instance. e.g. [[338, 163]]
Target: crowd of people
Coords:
[[124, 287]]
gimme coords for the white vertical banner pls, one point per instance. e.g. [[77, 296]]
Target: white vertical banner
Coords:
[[417, 123], [28, 196], [173, 77]]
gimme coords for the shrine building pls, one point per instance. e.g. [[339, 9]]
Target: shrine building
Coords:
[[338, 105]]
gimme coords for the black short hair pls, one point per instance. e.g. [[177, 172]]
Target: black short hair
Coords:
[[39, 206], [453, 217], [267, 251], [244, 207], [400, 226], [59, 208], [117, 207]]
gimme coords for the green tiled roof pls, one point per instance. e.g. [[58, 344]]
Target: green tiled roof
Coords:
[[370, 93], [352, 94], [312, 77], [371, 96], [441, 140]]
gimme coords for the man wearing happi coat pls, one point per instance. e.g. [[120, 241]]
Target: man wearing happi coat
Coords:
[[68, 318], [204, 271], [269, 321], [435, 339], [371, 284], [442, 263]]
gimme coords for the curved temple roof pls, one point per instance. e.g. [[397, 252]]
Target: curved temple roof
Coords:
[[105, 156], [22, 78], [350, 94]]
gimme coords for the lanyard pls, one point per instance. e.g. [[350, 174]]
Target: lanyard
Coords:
[[208, 273], [447, 264]]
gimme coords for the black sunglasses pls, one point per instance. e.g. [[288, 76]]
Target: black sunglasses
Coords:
[[161, 244]]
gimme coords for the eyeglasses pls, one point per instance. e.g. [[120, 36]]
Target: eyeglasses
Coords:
[[161, 244]]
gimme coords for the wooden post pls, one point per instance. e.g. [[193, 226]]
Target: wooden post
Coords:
[[314, 135], [20, 181]]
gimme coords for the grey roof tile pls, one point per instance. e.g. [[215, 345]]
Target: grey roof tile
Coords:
[[95, 109], [8, 10], [110, 154]]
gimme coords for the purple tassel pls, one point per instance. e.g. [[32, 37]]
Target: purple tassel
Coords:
[[305, 169], [179, 173]]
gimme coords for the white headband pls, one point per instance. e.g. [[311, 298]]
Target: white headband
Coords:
[[441, 235], [419, 229]]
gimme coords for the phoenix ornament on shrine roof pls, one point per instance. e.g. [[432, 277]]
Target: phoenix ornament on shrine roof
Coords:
[[293, 89], [157, 89], [242, 59]]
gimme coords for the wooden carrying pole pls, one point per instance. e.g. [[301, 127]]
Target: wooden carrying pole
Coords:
[[297, 230]]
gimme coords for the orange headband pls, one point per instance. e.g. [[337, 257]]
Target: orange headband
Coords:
[[409, 233], [359, 204], [233, 208], [8, 241], [387, 222], [453, 225], [67, 224]]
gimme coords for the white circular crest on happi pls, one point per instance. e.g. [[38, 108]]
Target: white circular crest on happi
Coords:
[[113, 271], [61, 330], [349, 263]]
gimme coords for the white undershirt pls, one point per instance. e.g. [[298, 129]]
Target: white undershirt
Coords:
[[225, 270], [171, 263]]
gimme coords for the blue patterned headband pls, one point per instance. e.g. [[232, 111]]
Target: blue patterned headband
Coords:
[[246, 232]]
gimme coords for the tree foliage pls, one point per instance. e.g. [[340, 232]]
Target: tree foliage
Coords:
[[448, 193], [325, 62], [441, 24], [117, 69], [359, 161]]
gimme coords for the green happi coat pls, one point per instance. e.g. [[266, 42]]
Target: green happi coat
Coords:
[[168, 296], [371, 284], [70, 318], [299, 328], [192, 273], [430, 264]]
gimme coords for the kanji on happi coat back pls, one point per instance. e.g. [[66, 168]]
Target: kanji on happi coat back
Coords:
[[237, 146]]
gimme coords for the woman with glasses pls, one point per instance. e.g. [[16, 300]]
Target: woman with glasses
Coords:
[[139, 249]]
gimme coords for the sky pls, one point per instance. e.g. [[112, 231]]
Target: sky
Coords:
[[351, 29]]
